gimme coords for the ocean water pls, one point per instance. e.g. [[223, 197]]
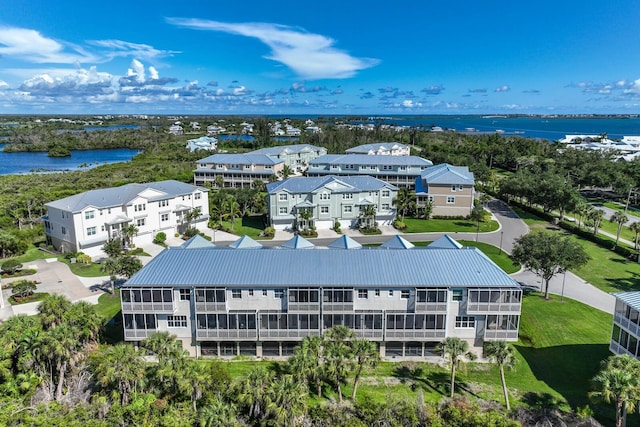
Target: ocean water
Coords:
[[550, 128], [18, 163]]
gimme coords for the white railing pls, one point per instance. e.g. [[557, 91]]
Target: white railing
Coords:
[[156, 307]]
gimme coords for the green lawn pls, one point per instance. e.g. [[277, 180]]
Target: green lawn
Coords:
[[33, 254], [84, 270], [109, 305], [251, 226], [501, 258], [612, 227], [447, 225]]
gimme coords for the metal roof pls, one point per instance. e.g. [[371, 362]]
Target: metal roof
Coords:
[[197, 241], [397, 242], [312, 184], [445, 173], [365, 159], [120, 196], [632, 299], [289, 149], [445, 242], [298, 242], [361, 268], [344, 242], [365, 148], [245, 242], [240, 159]]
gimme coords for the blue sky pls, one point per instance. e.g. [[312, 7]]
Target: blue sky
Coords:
[[330, 57]]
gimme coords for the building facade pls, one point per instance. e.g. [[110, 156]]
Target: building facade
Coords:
[[346, 199], [381, 149], [400, 171], [85, 221], [237, 170], [263, 302], [450, 189], [296, 157], [626, 324]]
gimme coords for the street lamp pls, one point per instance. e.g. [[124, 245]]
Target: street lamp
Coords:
[[500, 251], [214, 236], [564, 279]]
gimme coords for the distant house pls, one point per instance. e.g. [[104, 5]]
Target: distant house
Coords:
[[176, 129], [400, 171], [215, 130], [626, 324], [202, 143], [85, 221], [237, 170], [450, 189], [329, 198], [296, 156], [381, 149]]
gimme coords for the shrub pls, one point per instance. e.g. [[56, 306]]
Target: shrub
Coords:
[[83, 258], [70, 254], [11, 266], [160, 238], [23, 288], [269, 232], [399, 225], [190, 232]]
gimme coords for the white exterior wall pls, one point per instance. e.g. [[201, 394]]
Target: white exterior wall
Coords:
[[382, 302]]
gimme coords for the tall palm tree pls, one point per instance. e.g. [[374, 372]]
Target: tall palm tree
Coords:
[[58, 348], [403, 202], [619, 218], [286, 172], [635, 227], [217, 414], [232, 210], [596, 216], [368, 215], [193, 215], [366, 354], [502, 354], [119, 367], [252, 392], [581, 210], [308, 361], [53, 310], [128, 233], [194, 379], [338, 355], [620, 386], [455, 349], [287, 400], [87, 322]]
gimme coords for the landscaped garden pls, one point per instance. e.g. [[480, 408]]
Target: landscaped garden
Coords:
[[447, 225]]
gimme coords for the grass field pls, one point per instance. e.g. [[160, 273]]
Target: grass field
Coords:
[[251, 226], [501, 258], [447, 225]]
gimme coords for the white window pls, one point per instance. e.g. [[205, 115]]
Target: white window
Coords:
[[282, 210], [278, 293], [236, 293], [91, 231], [164, 217], [460, 187], [377, 292], [324, 196], [385, 206], [451, 200], [282, 197], [102, 228], [402, 168], [140, 222], [347, 209], [324, 209], [264, 292], [385, 193], [404, 294], [250, 292], [363, 294], [163, 203], [89, 214], [64, 230], [177, 321], [197, 196], [185, 294], [465, 322], [347, 196], [139, 208], [453, 188], [431, 199], [390, 292], [456, 295]]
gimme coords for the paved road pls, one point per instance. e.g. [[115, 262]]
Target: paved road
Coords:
[[608, 212]]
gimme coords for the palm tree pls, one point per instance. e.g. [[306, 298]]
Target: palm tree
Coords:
[[128, 233], [477, 215], [596, 216], [217, 414], [86, 321], [287, 400], [618, 382], [53, 309], [619, 218], [252, 391], [304, 218], [193, 215], [635, 227], [403, 201], [58, 347], [368, 215], [286, 172], [120, 367], [194, 380], [581, 210], [338, 355], [366, 354], [502, 354], [111, 267], [455, 348], [308, 361]]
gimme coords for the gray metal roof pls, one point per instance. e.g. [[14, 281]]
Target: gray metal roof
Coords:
[[245, 242], [344, 242], [279, 268], [241, 159], [397, 242], [298, 242], [445, 242], [198, 242], [311, 184], [289, 149], [632, 299], [120, 196], [445, 173], [365, 159], [365, 148]]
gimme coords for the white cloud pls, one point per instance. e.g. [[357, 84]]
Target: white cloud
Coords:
[[3, 84], [633, 88], [31, 46], [310, 56], [119, 48], [408, 103], [504, 88]]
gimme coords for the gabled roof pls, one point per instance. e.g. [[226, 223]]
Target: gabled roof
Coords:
[[365, 159], [289, 149], [372, 268], [298, 242], [120, 196], [632, 299], [307, 185], [445, 242], [241, 159], [344, 242], [445, 173], [365, 148], [197, 242], [397, 242], [245, 242]]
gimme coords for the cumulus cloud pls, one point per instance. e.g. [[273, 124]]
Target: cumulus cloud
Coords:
[[433, 90], [79, 83], [30, 45], [504, 88], [408, 103], [302, 88], [310, 56], [137, 76], [618, 90]]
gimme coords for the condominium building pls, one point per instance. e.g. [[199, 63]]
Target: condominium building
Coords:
[[381, 149], [400, 171], [228, 301], [347, 199], [450, 189], [237, 170], [85, 221], [626, 324], [296, 157]]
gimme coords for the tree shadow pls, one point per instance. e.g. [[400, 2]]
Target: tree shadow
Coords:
[[112, 332], [625, 283]]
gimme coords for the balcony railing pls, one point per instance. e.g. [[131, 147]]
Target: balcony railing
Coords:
[[368, 333], [630, 326], [138, 333], [431, 307], [303, 306], [226, 333], [156, 307], [492, 307], [497, 334], [415, 333], [288, 333], [337, 307], [208, 307]]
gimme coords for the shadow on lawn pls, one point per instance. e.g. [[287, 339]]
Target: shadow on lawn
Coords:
[[626, 283], [436, 381]]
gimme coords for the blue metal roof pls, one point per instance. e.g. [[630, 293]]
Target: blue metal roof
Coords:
[[445, 173], [240, 159], [292, 149], [365, 159], [632, 299], [445, 242], [310, 184], [365, 148], [362, 268]]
